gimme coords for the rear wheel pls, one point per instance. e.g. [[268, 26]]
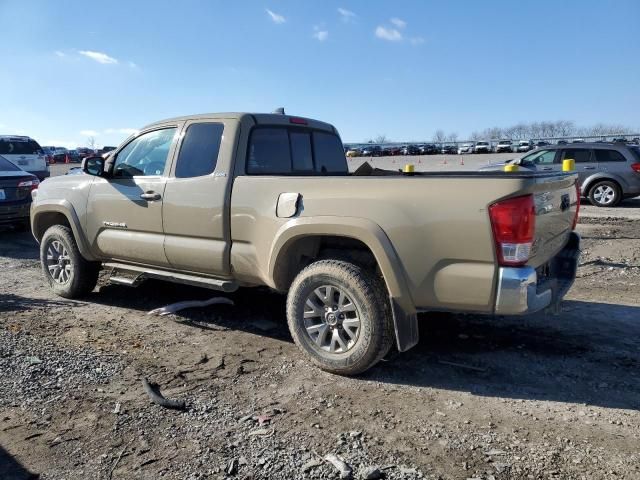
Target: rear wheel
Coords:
[[67, 272], [605, 194], [339, 317]]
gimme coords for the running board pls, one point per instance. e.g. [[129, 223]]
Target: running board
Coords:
[[143, 273]]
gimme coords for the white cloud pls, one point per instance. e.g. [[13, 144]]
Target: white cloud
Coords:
[[60, 54], [320, 35], [390, 34], [132, 64], [347, 15], [126, 131], [398, 22], [417, 41], [275, 17], [98, 57], [89, 133]]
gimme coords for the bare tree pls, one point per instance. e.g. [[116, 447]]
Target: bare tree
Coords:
[[381, 139], [452, 137], [439, 136], [91, 142]]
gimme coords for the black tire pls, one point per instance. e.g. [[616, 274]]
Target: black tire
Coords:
[[597, 198], [81, 276], [367, 294]]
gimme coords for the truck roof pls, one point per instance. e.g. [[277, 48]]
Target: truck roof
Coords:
[[258, 118]]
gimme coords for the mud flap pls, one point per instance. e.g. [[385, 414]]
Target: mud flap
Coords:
[[405, 325]]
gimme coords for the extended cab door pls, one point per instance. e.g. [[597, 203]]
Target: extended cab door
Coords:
[[196, 200], [124, 211]]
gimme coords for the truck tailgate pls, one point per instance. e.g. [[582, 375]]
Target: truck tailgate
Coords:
[[556, 201]]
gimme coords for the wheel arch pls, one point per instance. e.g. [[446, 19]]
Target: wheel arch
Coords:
[[304, 237]]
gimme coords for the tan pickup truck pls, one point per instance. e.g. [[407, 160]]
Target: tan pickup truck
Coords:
[[236, 199]]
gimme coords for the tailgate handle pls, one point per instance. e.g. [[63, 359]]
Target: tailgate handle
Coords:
[[151, 196]]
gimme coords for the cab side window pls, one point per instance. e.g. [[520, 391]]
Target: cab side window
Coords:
[[580, 155], [269, 152], [199, 151], [145, 155]]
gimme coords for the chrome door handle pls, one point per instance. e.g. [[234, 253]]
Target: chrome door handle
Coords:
[[588, 168], [547, 168], [151, 196]]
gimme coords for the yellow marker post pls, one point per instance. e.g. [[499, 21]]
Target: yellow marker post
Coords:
[[512, 167], [568, 165], [409, 168]]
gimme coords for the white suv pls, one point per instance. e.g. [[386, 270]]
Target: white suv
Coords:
[[524, 146], [25, 153], [482, 147]]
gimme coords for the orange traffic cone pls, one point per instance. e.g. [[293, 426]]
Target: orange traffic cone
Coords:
[[461, 160], [66, 158]]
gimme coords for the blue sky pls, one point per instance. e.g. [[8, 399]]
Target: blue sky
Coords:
[[400, 68]]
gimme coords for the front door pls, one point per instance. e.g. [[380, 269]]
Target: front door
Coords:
[[585, 163], [196, 224], [124, 211]]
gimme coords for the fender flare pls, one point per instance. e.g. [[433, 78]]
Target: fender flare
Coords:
[[65, 208], [601, 177], [404, 312]]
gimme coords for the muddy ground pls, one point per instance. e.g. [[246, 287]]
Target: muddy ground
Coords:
[[544, 397]]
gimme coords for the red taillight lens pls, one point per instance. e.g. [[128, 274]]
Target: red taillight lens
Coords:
[[30, 184], [514, 223], [575, 219], [298, 120], [635, 167]]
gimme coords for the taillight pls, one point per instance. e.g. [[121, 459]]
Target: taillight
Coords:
[[30, 184], [514, 223], [575, 219], [635, 167]]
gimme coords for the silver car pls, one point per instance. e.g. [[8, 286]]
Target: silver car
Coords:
[[608, 172]]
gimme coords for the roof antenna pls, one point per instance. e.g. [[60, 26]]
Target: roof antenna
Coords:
[[279, 111]]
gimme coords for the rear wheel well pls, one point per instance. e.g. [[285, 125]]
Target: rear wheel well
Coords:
[[300, 252], [590, 185], [48, 220]]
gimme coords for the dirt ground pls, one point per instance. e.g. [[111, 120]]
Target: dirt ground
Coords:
[[542, 397]]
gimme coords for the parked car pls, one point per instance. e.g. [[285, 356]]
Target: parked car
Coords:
[[504, 146], [607, 172], [524, 146], [60, 157], [25, 153], [48, 154], [15, 194], [449, 150], [372, 151], [391, 150], [577, 140], [428, 149], [541, 144], [465, 148], [562, 142], [353, 152], [410, 150], [340, 245], [482, 147], [74, 156], [84, 152]]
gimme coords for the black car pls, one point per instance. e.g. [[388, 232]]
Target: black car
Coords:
[[450, 150], [15, 194], [410, 150], [562, 142], [372, 151], [542, 143], [391, 150], [428, 149]]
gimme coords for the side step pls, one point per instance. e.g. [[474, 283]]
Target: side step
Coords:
[[142, 273]]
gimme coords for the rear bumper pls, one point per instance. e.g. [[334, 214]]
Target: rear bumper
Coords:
[[14, 213], [526, 290]]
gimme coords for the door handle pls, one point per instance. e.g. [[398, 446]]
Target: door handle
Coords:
[[547, 168], [151, 196], [588, 168]]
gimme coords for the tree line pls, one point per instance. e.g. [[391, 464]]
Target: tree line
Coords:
[[528, 131]]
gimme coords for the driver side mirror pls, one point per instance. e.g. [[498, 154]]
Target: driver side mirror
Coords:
[[94, 166]]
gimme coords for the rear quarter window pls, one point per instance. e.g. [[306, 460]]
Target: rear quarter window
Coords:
[[606, 156]]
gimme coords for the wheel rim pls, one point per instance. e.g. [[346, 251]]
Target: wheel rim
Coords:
[[604, 194], [59, 263], [331, 319]]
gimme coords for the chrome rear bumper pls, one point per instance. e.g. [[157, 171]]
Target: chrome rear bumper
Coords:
[[521, 290]]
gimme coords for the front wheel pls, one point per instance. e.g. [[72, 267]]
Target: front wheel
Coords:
[[67, 272], [605, 194], [339, 317]]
